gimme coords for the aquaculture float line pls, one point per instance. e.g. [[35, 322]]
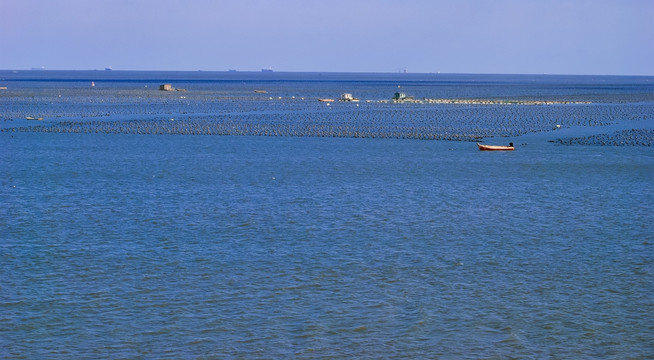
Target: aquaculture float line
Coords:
[[633, 137], [482, 101], [242, 128]]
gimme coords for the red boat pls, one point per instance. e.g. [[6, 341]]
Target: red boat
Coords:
[[495, 147]]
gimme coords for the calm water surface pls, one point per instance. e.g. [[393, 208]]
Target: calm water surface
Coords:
[[169, 246]]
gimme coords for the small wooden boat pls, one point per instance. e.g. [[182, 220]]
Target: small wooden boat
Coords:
[[33, 118], [260, 92], [326, 100], [495, 147]]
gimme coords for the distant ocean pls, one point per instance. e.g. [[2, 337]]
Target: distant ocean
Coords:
[[217, 222]]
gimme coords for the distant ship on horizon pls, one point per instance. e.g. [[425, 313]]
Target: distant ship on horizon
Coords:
[[108, 68], [267, 70]]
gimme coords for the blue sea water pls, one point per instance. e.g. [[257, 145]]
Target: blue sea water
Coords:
[[120, 245]]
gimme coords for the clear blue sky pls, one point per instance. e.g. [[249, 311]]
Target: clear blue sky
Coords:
[[462, 36]]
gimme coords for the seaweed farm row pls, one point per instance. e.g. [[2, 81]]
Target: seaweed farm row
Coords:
[[433, 122], [631, 137], [485, 101], [244, 128]]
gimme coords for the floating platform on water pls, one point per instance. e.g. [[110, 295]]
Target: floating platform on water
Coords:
[[348, 97]]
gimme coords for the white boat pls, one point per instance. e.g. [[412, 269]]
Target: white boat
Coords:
[[347, 97]]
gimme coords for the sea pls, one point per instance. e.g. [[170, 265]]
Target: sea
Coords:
[[216, 222]]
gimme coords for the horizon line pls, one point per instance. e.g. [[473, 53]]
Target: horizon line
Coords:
[[109, 70]]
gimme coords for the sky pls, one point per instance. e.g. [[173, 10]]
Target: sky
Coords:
[[602, 37]]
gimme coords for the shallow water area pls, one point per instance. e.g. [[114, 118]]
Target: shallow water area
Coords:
[[125, 245]]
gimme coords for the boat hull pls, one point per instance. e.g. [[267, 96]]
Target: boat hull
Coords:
[[494, 147]]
